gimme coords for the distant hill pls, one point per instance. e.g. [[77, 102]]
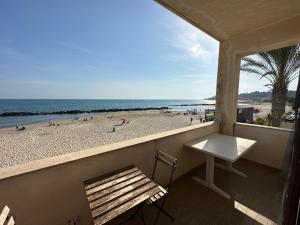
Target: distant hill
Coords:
[[257, 96]]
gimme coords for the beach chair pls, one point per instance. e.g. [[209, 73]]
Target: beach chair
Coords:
[[171, 163], [6, 218]]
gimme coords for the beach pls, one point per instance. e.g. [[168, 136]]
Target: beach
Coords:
[[40, 140]]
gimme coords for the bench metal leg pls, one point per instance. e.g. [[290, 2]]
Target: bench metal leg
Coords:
[[162, 210], [142, 216], [165, 212], [137, 210]]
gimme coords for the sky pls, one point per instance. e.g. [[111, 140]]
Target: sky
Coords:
[[128, 49]]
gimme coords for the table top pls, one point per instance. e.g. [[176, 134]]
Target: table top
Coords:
[[222, 146], [113, 194]]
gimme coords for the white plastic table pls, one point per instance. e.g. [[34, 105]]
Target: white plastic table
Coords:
[[222, 146]]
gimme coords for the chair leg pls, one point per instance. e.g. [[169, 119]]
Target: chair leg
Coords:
[[142, 216], [136, 212], [161, 209], [164, 212], [134, 215]]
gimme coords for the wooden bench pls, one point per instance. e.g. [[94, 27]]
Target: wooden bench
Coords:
[[5, 218], [115, 193]]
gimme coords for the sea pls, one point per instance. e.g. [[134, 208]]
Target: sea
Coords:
[[56, 105]]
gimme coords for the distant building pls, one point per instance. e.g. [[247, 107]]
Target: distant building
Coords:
[[209, 114], [245, 114]]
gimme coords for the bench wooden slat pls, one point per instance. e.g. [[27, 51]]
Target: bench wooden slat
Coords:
[[99, 181], [153, 199], [4, 215], [126, 206], [118, 193], [134, 194], [112, 194], [113, 182], [162, 189], [115, 188], [11, 221], [161, 194]]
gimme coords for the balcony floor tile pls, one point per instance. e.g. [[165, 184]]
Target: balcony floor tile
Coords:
[[255, 200]]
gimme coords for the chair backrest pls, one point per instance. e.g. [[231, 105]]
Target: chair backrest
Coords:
[[167, 160], [5, 218]]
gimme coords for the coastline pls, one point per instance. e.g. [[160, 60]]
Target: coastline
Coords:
[[30, 111], [71, 112], [40, 140], [79, 132]]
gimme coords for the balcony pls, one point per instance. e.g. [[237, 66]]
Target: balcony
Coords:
[[50, 191], [255, 200]]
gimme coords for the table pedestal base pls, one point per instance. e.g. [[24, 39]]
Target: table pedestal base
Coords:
[[212, 187], [209, 178], [228, 167]]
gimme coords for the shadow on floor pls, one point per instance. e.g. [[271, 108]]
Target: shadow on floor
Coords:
[[254, 200]]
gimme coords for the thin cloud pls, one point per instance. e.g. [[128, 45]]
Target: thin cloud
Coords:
[[193, 76], [103, 59], [193, 42], [77, 48], [11, 52]]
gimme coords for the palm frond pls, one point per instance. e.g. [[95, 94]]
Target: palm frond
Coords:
[[259, 66], [277, 66]]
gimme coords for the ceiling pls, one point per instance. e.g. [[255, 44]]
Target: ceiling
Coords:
[[223, 19]]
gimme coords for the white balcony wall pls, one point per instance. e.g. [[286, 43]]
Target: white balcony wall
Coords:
[[271, 147], [50, 191]]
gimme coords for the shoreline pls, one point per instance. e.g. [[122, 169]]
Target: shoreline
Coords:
[[39, 140], [30, 118], [72, 112]]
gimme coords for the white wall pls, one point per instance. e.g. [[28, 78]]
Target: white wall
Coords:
[[271, 146], [50, 191]]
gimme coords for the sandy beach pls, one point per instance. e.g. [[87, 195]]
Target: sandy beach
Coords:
[[41, 141], [265, 109]]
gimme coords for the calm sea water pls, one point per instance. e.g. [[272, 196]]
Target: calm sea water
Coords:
[[53, 105]]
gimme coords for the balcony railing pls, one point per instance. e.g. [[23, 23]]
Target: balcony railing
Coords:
[[50, 191]]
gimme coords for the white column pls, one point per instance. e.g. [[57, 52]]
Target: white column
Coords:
[[227, 87]]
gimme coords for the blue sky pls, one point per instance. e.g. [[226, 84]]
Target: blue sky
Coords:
[[105, 49]]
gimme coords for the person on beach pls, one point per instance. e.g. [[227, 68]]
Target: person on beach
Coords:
[[124, 121], [114, 129], [191, 120], [19, 128], [51, 123]]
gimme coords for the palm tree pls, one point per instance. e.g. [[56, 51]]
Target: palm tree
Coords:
[[279, 67]]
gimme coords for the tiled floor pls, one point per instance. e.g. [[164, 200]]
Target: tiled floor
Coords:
[[255, 200]]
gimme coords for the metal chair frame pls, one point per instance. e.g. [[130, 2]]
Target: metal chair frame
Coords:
[[171, 163]]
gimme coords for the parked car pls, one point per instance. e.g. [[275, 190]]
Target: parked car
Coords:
[[290, 118]]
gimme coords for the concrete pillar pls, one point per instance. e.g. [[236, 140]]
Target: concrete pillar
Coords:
[[227, 87], [273, 36]]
